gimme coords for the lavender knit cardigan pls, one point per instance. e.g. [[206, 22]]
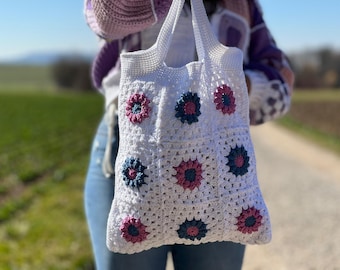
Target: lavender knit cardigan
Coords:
[[266, 66]]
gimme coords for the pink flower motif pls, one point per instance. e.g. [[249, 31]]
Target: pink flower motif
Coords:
[[224, 99], [189, 174], [249, 220], [137, 108], [133, 230]]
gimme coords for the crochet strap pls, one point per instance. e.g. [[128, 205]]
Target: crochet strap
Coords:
[[208, 47], [204, 38]]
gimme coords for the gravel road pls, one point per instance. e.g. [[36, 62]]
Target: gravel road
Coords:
[[301, 185]]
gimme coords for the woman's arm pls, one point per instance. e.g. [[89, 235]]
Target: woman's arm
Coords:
[[269, 75], [115, 19]]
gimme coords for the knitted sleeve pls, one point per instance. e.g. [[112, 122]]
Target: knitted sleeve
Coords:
[[115, 19], [268, 71]]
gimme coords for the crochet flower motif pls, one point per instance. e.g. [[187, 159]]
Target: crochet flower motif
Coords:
[[194, 229], [133, 230], [189, 174], [224, 99], [188, 108], [133, 172], [137, 108], [238, 161], [249, 220]]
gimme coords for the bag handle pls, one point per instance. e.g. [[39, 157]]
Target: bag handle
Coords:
[[205, 40]]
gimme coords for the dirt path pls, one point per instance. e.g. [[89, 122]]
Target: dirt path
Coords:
[[301, 185]]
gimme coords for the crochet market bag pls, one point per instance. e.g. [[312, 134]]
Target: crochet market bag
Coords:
[[185, 170]]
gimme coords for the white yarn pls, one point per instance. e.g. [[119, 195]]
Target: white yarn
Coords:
[[186, 169]]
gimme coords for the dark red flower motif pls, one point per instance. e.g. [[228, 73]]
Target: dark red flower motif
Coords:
[[189, 174], [137, 108], [224, 99], [249, 220], [133, 230]]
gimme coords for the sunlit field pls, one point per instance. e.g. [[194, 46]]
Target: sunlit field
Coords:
[[45, 139], [314, 114]]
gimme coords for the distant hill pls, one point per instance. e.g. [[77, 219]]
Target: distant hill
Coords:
[[44, 58]]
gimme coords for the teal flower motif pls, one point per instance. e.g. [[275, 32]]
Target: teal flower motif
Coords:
[[238, 161], [188, 108], [193, 229], [133, 173]]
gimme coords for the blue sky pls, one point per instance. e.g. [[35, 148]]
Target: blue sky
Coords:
[[303, 24], [43, 25], [28, 26]]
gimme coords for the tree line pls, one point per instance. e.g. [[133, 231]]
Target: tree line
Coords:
[[72, 74], [315, 69]]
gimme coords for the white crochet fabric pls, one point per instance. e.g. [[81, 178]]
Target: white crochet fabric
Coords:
[[185, 170]]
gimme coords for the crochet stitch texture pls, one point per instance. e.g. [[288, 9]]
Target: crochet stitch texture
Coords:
[[116, 16], [186, 173]]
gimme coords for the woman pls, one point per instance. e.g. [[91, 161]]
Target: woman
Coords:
[[127, 25]]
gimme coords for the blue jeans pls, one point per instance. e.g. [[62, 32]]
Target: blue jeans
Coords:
[[98, 197]]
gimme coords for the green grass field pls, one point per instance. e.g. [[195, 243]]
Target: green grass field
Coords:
[[314, 115], [27, 78], [45, 141]]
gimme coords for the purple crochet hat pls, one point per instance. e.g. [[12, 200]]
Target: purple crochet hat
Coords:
[[115, 19]]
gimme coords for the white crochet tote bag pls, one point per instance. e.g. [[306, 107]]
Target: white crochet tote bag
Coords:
[[185, 170]]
